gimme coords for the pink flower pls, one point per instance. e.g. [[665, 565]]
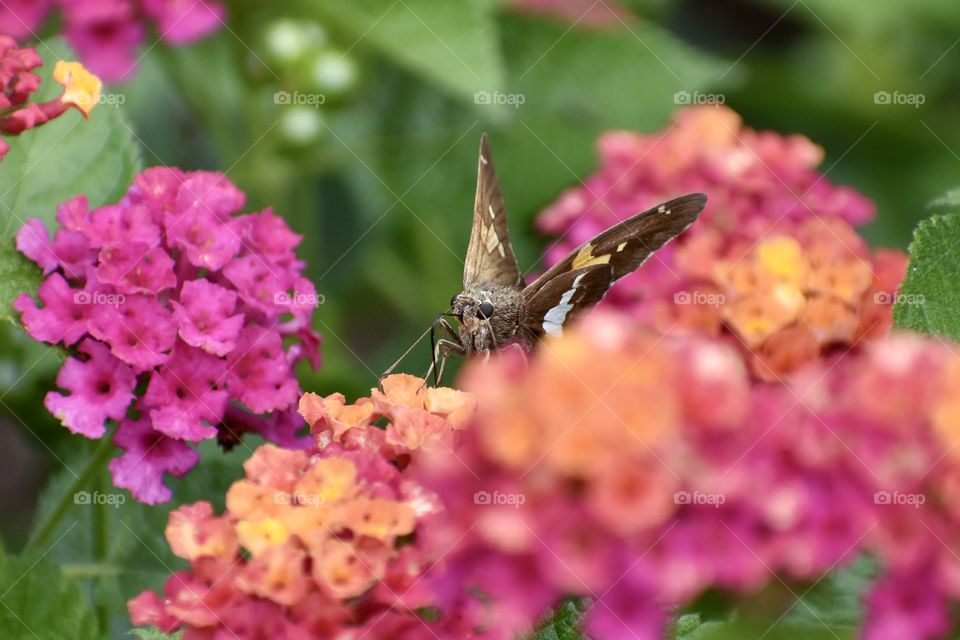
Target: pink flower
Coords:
[[204, 317], [851, 455], [135, 267], [100, 387], [63, 317], [20, 19], [148, 456], [258, 371], [211, 364], [184, 393], [773, 263], [107, 33], [138, 329]]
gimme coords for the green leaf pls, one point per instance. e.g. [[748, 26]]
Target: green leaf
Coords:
[[562, 623], [39, 603], [452, 44], [54, 162], [929, 296], [138, 556]]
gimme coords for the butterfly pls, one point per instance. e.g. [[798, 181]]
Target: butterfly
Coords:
[[495, 308]]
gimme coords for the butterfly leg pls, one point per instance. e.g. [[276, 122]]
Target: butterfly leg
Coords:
[[442, 348]]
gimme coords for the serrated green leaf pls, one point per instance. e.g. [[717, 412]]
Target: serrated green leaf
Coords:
[[452, 44], [929, 296], [54, 162], [39, 603]]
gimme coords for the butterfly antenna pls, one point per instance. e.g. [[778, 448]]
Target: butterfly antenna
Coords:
[[407, 352]]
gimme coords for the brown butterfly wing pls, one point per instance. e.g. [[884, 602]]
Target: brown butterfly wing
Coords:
[[490, 257], [583, 277]]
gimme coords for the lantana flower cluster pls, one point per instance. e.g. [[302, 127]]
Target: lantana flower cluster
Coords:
[[773, 264], [107, 33], [639, 471], [177, 312], [320, 544], [81, 90]]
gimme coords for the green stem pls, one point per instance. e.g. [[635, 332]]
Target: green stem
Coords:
[[101, 545], [48, 526]]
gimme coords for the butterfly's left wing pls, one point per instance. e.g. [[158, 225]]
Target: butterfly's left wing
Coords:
[[580, 280], [489, 255]]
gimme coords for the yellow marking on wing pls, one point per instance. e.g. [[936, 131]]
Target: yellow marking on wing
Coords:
[[585, 258], [621, 246], [493, 214], [489, 237]]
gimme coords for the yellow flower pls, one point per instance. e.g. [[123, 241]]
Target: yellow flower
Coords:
[[81, 89]]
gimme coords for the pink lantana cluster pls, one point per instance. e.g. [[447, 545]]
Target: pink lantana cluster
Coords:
[[107, 33], [177, 311], [321, 544], [81, 90], [773, 265], [639, 471]]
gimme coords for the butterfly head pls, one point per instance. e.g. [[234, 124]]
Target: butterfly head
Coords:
[[472, 310]]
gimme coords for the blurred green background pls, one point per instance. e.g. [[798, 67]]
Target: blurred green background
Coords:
[[380, 177]]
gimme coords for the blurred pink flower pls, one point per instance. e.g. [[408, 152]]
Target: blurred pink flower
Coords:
[[139, 304], [107, 33], [852, 454]]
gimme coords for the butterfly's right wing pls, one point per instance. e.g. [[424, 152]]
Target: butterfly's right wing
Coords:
[[580, 280]]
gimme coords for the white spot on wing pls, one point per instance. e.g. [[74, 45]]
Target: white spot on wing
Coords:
[[661, 209], [489, 237], [493, 214], [554, 318], [621, 246]]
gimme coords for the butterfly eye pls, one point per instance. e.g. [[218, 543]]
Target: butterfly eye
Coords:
[[486, 309]]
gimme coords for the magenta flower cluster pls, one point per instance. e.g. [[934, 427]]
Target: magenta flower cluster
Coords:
[[177, 310], [106, 33]]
